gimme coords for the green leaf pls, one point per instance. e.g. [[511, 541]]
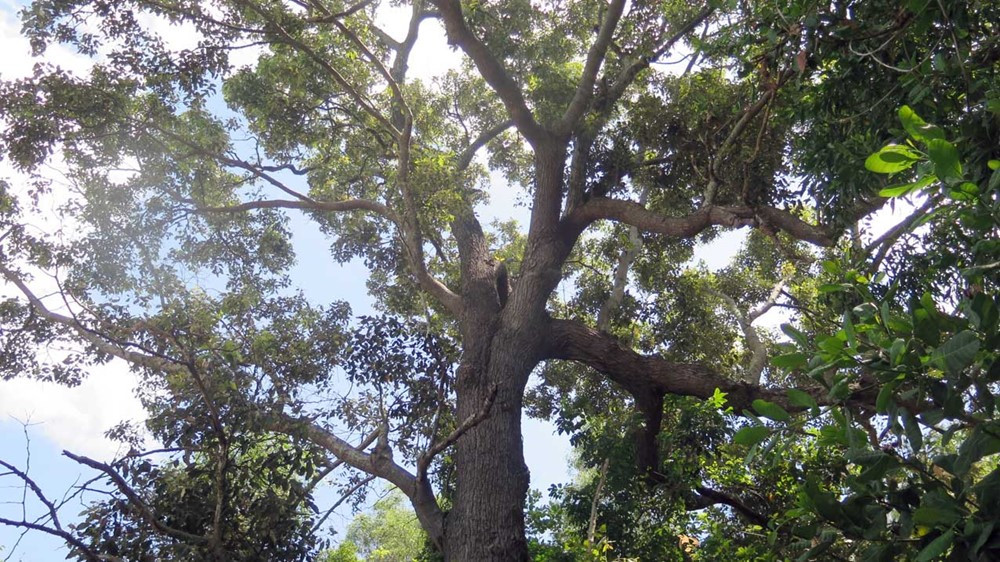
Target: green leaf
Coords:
[[852, 341], [907, 188], [751, 435], [978, 445], [831, 288], [884, 397], [917, 127], [944, 155], [994, 164], [797, 335], [936, 548], [770, 410], [896, 351], [913, 434], [958, 352], [790, 360], [802, 399], [891, 159]]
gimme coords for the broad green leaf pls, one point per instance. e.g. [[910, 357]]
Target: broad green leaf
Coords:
[[770, 410], [832, 288], [896, 351], [917, 127], [891, 159], [936, 548], [790, 360], [751, 435], [994, 164], [852, 341], [802, 399], [944, 155], [958, 352], [982, 442], [907, 188], [913, 433], [884, 397], [797, 335]]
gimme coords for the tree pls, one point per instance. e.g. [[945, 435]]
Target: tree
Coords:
[[390, 533], [624, 168]]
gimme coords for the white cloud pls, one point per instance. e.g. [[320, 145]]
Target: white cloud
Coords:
[[75, 418]]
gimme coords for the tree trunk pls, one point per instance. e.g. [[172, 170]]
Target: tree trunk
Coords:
[[487, 518], [502, 343]]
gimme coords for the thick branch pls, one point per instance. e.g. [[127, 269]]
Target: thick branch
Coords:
[[758, 351], [381, 465], [491, 69], [595, 57], [708, 497], [625, 260], [687, 226], [646, 376]]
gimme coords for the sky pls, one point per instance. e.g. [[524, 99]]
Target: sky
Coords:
[[38, 420]]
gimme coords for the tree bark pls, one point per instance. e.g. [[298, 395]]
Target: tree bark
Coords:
[[487, 519]]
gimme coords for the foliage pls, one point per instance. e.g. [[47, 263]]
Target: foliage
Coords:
[[865, 427], [390, 533], [921, 479]]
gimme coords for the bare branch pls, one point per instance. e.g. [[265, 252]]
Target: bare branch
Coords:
[[36, 490], [312, 205], [378, 464], [758, 352], [343, 497], [625, 260], [137, 503], [592, 525], [484, 411], [87, 552], [629, 72], [885, 242]]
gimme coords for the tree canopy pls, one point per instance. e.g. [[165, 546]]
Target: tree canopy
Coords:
[[628, 133]]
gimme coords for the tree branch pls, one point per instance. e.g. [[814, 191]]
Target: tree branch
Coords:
[[645, 376], [323, 63], [87, 552], [491, 69], [708, 497], [595, 57], [378, 464], [425, 459], [466, 156], [143, 510], [687, 226]]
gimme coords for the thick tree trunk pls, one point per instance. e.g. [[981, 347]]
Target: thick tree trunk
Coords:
[[487, 519], [502, 343]]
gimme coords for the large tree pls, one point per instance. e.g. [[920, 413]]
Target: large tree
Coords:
[[631, 131]]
